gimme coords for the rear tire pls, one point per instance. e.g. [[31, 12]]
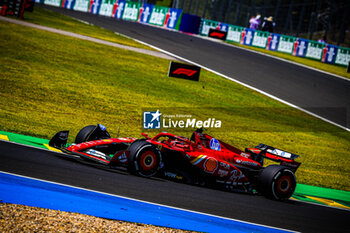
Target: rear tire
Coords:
[[144, 159], [277, 182]]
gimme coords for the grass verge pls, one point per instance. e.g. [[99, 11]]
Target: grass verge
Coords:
[[49, 18], [52, 82]]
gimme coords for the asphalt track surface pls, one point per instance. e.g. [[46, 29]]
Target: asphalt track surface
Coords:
[[291, 215], [314, 91], [295, 84]]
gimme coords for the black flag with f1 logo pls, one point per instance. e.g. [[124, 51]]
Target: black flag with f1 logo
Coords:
[[214, 33], [180, 70]]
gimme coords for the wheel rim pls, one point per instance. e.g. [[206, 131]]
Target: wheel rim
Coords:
[[284, 184], [148, 160]]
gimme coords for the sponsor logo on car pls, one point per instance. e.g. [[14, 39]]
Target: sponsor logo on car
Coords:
[[210, 165], [173, 175], [222, 173], [123, 158], [224, 165], [214, 144], [245, 155], [244, 162], [235, 176], [63, 135], [102, 127], [96, 153]]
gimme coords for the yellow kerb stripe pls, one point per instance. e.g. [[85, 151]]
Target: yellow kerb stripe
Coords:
[[52, 148], [328, 202], [4, 137]]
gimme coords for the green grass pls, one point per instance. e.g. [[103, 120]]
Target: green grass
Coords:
[[334, 69], [51, 19], [51, 82]]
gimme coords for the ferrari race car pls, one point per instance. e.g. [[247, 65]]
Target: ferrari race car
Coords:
[[202, 160]]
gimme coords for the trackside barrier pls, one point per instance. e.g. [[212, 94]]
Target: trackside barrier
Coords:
[[323, 52], [285, 44], [127, 10], [172, 18], [190, 23], [57, 3], [104, 7]]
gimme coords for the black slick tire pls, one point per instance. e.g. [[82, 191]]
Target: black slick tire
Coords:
[[277, 182], [144, 159], [84, 133]]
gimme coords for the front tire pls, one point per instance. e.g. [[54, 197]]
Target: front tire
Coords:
[[144, 159], [277, 182], [84, 133], [91, 133]]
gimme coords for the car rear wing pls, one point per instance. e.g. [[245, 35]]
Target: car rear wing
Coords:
[[59, 140], [277, 152], [269, 152]]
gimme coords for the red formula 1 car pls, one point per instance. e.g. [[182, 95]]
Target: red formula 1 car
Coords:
[[199, 160]]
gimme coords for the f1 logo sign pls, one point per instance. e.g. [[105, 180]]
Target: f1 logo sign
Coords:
[[188, 72], [214, 33], [217, 34], [180, 70]]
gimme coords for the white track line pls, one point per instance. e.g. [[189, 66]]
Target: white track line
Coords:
[[248, 86], [87, 38]]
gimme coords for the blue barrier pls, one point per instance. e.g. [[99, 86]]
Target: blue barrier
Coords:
[[190, 23], [26, 191]]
